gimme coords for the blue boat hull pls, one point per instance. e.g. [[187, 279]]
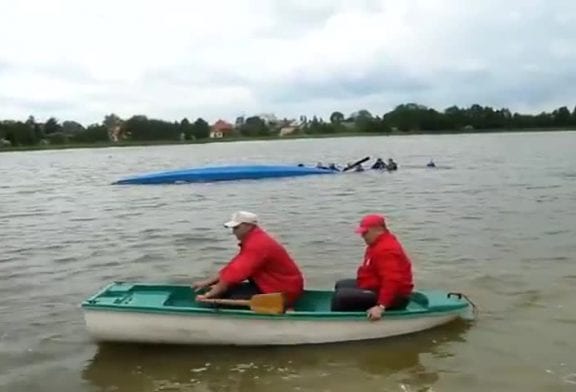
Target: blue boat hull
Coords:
[[222, 173]]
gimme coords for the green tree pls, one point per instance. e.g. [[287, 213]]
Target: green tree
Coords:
[[72, 127], [254, 126], [200, 129], [95, 133], [186, 129], [319, 126], [18, 133], [336, 118], [52, 126], [142, 128], [562, 117]]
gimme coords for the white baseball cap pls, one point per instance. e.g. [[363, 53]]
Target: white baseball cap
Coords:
[[241, 217]]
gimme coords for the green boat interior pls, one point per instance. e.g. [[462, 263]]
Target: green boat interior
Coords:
[[162, 297]]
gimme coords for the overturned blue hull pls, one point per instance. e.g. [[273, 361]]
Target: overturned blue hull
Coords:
[[222, 173]]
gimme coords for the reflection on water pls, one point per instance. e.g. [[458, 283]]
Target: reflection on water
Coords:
[[387, 362]]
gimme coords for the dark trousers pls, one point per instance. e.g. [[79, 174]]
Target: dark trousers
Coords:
[[244, 290], [349, 297]]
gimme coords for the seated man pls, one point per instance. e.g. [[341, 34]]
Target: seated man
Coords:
[[384, 279], [262, 261]]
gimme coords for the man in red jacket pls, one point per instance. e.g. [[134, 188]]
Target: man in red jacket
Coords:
[[261, 266], [384, 279]]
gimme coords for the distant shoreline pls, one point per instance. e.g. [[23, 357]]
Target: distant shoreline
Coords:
[[272, 138]]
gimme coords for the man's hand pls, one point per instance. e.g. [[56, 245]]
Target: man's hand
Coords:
[[375, 313], [215, 291], [201, 298]]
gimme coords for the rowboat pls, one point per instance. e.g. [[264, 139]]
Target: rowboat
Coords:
[[159, 313], [222, 173]]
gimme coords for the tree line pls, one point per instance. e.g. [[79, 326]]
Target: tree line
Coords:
[[404, 118]]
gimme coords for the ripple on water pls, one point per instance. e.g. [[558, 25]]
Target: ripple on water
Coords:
[[31, 214]]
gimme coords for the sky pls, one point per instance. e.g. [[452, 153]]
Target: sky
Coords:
[[171, 59]]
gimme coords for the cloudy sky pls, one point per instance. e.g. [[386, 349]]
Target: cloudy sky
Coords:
[[170, 59]]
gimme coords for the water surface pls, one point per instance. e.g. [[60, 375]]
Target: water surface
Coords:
[[496, 220]]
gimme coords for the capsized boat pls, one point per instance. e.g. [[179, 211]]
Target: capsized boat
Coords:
[[168, 313], [222, 173]]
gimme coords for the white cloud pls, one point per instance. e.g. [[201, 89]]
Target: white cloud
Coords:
[[180, 58]]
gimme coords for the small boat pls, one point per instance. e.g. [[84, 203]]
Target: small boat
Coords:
[[168, 314], [222, 173]]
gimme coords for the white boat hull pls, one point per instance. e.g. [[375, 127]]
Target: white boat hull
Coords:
[[157, 328]]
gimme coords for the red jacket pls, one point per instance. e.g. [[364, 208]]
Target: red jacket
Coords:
[[387, 269], [267, 263]]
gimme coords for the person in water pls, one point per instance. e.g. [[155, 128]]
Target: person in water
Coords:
[[392, 165], [384, 279], [261, 266], [379, 164], [431, 163]]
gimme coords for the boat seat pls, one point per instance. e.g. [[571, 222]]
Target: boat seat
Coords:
[[312, 301], [147, 298]]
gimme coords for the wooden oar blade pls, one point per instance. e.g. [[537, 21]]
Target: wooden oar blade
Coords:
[[272, 303]]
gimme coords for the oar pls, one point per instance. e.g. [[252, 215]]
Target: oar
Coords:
[[272, 303], [361, 161]]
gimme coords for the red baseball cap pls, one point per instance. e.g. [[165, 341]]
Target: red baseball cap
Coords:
[[370, 221]]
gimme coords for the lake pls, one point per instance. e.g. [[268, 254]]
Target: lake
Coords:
[[496, 220]]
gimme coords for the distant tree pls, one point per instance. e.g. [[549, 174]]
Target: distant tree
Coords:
[[114, 126], [200, 129], [336, 118], [36, 129], [72, 127], [57, 138], [363, 114], [95, 133], [52, 126], [319, 126], [254, 126], [186, 129], [111, 120], [562, 117], [142, 128], [18, 133]]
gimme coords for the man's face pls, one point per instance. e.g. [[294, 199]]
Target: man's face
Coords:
[[371, 234], [241, 230]]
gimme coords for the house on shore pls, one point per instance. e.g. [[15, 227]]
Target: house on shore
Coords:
[[221, 129]]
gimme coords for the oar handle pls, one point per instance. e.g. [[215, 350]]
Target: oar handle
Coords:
[[233, 302]]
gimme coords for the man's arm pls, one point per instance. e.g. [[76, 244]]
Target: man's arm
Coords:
[[242, 266], [237, 270]]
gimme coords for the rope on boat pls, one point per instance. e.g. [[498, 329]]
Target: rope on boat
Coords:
[[462, 295]]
